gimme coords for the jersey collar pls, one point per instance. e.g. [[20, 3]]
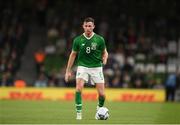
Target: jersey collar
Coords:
[[88, 37]]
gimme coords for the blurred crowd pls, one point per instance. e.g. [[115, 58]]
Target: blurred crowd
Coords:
[[142, 37], [13, 38]]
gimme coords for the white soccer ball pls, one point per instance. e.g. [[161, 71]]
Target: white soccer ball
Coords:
[[102, 113]]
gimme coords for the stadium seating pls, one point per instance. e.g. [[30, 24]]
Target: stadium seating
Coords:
[[147, 38]]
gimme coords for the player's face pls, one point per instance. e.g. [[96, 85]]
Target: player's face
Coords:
[[88, 27]]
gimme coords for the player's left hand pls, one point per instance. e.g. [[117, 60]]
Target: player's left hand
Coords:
[[104, 61]]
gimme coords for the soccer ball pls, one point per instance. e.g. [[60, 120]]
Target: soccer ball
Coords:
[[102, 113]]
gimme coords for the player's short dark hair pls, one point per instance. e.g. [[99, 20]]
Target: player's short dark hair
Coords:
[[89, 19]]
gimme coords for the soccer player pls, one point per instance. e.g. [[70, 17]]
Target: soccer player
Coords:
[[92, 55]]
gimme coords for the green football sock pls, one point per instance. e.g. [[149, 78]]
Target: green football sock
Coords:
[[101, 101], [78, 101]]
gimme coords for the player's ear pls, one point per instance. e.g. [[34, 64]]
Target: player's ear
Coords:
[[83, 25], [94, 26]]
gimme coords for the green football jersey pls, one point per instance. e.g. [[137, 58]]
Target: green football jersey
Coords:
[[89, 50]]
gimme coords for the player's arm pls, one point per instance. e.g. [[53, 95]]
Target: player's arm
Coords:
[[105, 56], [71, 60]]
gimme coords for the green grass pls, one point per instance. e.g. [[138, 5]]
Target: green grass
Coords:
[[62, 112]]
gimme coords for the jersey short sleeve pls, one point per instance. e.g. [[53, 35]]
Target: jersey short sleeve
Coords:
[[75, 46], [103, 45]]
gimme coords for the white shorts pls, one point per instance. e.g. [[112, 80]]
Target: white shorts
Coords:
[[95, 75]]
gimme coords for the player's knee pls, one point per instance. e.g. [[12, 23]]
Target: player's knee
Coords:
[[79, 88]]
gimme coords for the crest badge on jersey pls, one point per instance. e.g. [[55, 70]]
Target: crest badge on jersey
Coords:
[[93, 46]]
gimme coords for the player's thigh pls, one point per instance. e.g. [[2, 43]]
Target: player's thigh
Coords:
[[82, 73], [79, 84], [100, 88], [96, 75]]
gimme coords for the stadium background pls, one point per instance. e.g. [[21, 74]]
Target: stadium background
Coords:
[[142, 37]]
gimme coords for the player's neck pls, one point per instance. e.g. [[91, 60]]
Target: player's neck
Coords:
[[88, 36]]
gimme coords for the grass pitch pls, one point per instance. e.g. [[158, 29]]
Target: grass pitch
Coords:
[[63, 112]]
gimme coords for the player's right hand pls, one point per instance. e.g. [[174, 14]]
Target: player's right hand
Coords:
[[67, 76]]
